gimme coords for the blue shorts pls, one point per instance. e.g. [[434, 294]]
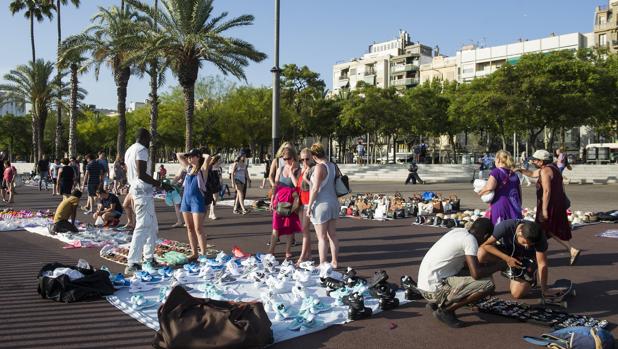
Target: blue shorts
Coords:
[[193, 204], [116, 214]]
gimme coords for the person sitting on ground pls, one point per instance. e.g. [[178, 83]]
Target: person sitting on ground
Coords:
[[65, 211], [110, 208], [413, 174], [443, 279], [514, 241], [161, 173]]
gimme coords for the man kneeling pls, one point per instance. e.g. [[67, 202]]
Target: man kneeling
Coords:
[[65, 211], [522, 245], [442, 278], [110, 208]]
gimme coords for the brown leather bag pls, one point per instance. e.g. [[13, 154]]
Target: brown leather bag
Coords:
[[191, 323]]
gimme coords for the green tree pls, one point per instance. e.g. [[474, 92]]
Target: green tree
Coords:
[[190, 35], [14, 136], [32, 84], [110, 41], [303, 91], [75, 61], [33, 9]]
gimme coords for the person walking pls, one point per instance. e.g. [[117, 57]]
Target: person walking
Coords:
[[66, 179], [43, 170], [213, 185], [53, 170], [552, 202], [178, 182], [194, 199], [267, 163], [141, 189], [303, 186], [524, 162], [74, 163], [240, 176], [8, 181], [323, 205], [92, 181], [102, 160], [504, 182], [119, 175], [285, 203]]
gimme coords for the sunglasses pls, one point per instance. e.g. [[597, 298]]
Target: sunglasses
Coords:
[[305, 159], [286, 159]]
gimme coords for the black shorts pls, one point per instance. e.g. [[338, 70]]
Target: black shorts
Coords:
[[92, 188]]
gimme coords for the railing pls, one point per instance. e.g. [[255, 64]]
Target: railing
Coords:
[[605, 26], [344, 77], [370, 72], [402, 67], [404, 82]]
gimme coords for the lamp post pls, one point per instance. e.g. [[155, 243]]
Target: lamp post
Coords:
[[276, 85]]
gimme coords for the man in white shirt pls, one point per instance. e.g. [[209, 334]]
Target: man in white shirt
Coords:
[[442, 278], [141, 188]]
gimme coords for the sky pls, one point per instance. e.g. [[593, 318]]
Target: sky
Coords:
[[320, 33]]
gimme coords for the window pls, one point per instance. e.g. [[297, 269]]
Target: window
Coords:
[[602, 19], [603, 40]]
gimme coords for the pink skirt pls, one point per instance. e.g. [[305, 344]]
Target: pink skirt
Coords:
[[290, 224]]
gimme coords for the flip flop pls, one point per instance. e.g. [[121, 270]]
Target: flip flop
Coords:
[[574, 258]]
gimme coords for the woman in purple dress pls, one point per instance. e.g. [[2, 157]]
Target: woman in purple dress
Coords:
[[504, 182]]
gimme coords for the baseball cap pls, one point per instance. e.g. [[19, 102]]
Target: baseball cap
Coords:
[[542, 155], [193, 152]]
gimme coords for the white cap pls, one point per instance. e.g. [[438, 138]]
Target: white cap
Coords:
[[542, 155]]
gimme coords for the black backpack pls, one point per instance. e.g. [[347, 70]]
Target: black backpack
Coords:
[[213, 184], [94, 285]]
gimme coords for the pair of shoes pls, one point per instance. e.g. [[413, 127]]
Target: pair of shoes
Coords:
[[132, 269], [447, 317]]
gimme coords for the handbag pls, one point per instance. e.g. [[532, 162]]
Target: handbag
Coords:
[[195, 323], [284, 209], [342, 183]]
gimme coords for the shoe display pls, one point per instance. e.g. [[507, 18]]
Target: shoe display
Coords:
[[298, 292], [411, 290], [304, 277], [351, 279], [356, 307], [331, 284], [340, 295], [232, 268], [192, 267], [313, 305], [139, 302], [145, 276], [282, 311], [129, 270], [308, 266], [278, 286]]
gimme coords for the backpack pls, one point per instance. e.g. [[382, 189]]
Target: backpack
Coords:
[[578, 337], [213, 183]]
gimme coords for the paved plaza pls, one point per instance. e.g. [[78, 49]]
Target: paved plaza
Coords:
[[27, 321]]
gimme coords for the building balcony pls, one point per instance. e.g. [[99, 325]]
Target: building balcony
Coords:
[[370, 72], [404, 82], [370, 79], [605, 26], [343, 77], [402, 68]]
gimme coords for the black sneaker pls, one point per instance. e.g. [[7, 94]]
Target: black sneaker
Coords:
[[448, 318]]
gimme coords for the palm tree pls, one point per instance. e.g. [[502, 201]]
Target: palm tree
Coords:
[[57, 143], [75, 62], [190, 35], [111, 41], [32, 84], [34, 9]]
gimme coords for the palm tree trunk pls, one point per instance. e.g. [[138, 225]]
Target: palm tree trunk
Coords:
[[122, 80], [73, 113], [35, 138], [42, 119], [32, 38], [189, 93], [58, 141], [154, 114]]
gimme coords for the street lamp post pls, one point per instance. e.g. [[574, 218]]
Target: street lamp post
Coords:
[[276, 85]]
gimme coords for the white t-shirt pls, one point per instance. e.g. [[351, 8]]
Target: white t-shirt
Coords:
[[54, 169], [134, 153], [446, 258]]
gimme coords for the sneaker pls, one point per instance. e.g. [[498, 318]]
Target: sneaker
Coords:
[[131, 269], [448, 318]]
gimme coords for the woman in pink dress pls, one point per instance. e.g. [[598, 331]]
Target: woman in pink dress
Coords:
[[285, 191]]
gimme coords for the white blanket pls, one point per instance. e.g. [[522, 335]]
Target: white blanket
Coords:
[[247, 291]]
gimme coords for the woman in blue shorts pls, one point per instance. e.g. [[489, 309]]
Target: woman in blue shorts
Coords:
[[193, 205]]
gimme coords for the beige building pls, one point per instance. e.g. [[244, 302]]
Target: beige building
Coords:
[[391, 63], [606, 26], [441, 68]]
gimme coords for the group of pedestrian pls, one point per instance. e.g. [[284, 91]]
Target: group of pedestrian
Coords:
[[303, 194]]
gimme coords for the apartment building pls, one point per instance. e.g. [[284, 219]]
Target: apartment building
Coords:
[[441, 68], [474, 62], [390, 63], [606, 26], [11, 108]]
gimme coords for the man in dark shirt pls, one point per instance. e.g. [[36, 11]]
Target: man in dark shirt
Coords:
[[514, 241], [43, 170], [110, 208], [92, 181]]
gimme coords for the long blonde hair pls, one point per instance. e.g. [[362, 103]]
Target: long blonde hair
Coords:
[[506, 159], [283, 146]]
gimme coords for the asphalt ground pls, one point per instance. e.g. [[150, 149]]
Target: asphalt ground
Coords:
[[27, 321]]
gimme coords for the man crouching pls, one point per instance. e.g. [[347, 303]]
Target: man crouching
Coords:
[[443, 279]]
